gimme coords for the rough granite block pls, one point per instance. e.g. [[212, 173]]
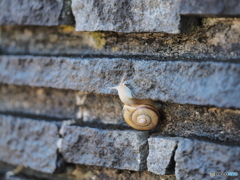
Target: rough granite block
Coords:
[[29, 143], [161, 153], [43, 102], [36, 12], [109, 148], [60, 104], [211, 8], [196, 159], [199, 83], [127, 16]]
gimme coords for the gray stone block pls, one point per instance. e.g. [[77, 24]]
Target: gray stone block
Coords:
[[41, 102], [29, 143], [210, 8], [35, 12], [200, 83], [60, 104], [109, 148], [196, 159], [161, 153], [127, 16]]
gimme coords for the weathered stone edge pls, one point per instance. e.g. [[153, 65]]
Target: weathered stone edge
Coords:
[[163, 16], [186, 151], [121, 149], [203, 160], [210, 8], [29, 142], [161, 153], [199, 83], [194, 158], [62, 14], [44, 13], [124, 16]]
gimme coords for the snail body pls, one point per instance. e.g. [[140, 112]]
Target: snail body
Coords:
[[141, 114]]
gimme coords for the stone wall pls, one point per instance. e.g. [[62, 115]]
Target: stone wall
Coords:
[[59, 120]]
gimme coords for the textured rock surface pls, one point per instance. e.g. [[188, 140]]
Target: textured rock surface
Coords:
[[216, 39], [56, 104], [35, 12], [108, 148], [196, 159], [197, 121], [161, 153], [210, 8], [29, 143], [41, 102], [94, 109], [98, 108], [200, 83], [127, 16]]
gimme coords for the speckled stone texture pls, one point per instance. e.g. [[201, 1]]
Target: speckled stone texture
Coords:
[[99, 110], [196, 159], [211, 8], [109, 148], [29, 143], [161, 153], [35, 12], [217, 39], [60, 104], [37, 101], [200, 83], [96, 108], [190, 121], [127, 16]]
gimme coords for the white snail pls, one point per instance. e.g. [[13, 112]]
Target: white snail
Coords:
[[141, 114]]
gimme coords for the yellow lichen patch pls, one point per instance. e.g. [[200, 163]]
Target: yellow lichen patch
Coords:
[[67, 29], [218, 110], [115, 49], [82, 172], [96, 40]]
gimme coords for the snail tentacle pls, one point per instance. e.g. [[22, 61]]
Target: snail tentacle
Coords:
[[141, 114]]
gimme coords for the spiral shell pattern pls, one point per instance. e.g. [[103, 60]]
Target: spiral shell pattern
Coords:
[[142, 117]]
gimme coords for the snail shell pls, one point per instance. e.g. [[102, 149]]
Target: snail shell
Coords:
[[142, 117]]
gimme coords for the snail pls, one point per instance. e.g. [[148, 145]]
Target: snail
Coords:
[[140, 114]]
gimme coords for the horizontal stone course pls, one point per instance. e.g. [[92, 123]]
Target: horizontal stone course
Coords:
[[200, 83], [161, 153], [33, 143], [30, 143], [204, 44], [197, 121], [209, 8], [60, 104], [83, 172], [127, 16], [147, 16], [39, 102], [109, 148], [179, 120], [36, 12], [196, 159]]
